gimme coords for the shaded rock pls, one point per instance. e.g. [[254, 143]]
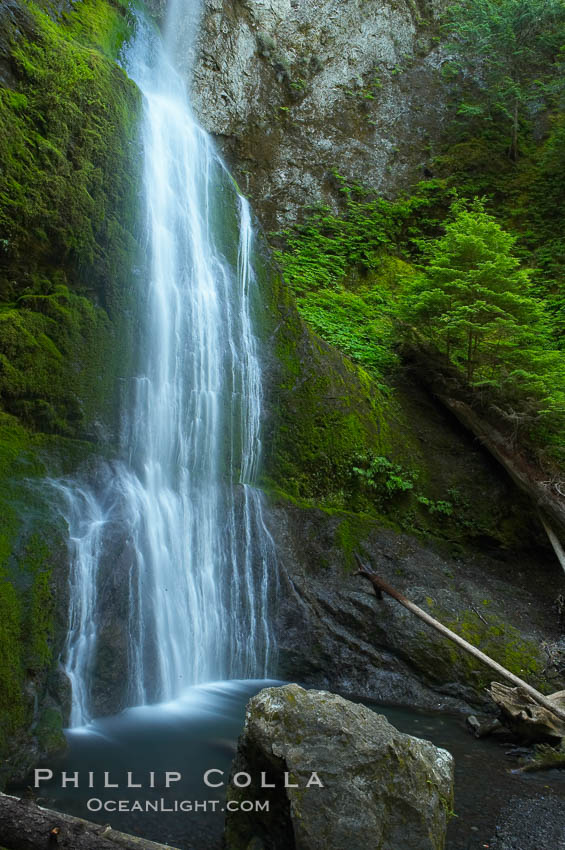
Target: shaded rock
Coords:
[[333, 633], [480, 727], [381, 788], [15, 21]]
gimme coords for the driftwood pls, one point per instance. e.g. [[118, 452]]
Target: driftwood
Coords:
[[380, 586], [525, 716], [26, 826]]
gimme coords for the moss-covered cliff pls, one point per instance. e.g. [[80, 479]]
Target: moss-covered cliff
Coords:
[[68, 115], [68, 184]]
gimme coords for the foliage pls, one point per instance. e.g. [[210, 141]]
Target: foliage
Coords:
[[321, 252], [358, 323], [440, 507], [540, 211], [472, 302], [513, 50], [383, 476], [344, 268], [470, 297], [386, 481], [508, 85]]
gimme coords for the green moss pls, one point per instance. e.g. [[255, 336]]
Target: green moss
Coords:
[[68, 217], [325, 413], [64, 134], [496, 638], [49, 731], [323, 406], [38, 623], [104, 24], [12, 707], [27, 549], [546, 757], [54, 353], [501, 642], [67, 195], [350, 533]]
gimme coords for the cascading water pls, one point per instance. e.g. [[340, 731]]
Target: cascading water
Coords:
[[202, 560]]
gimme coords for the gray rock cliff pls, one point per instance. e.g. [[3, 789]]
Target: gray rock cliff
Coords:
[[295, 90]]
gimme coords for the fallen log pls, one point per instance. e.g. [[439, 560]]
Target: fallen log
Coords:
[[381, 587], [526, 717], [526, 477], [554, 540], [446, 384], [27, 826]]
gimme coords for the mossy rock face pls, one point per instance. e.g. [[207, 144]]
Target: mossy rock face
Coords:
[[377, 787], [332, 632], [69, 155], [33, 608], [341, 436], [320, 407], [69, 169], [49, 730]]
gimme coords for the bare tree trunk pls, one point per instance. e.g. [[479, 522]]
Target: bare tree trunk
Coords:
[[469, 357], [524, 716], [514, 142], [26, 826], [382, 587], [554, 540]]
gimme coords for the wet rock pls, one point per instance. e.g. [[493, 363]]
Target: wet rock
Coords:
[[16, 21], [481, 727], [381, 788], [109, 692]]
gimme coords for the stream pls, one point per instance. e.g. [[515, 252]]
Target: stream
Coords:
[[199, 731]]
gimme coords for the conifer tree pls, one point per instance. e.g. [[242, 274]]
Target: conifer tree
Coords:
[[513, 50], [471, 300]]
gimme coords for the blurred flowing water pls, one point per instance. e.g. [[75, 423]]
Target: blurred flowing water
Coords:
[[202, 561]]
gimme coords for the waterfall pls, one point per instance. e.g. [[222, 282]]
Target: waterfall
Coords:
[[201, 558]]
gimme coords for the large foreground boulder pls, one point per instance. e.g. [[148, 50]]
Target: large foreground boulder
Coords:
[[344, 778]]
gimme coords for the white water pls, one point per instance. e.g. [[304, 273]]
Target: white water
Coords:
[[201, 559]]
